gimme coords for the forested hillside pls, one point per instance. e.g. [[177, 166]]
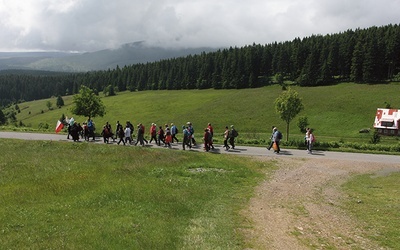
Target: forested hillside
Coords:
[[362, 55]]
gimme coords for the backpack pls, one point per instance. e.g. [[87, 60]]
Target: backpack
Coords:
[[280, 136], [234, 133]]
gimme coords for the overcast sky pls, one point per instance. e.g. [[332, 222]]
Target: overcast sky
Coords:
[[90, 25]]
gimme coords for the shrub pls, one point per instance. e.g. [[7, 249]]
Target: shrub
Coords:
[[376, 138]]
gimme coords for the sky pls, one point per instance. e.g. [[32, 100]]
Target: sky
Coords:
[[91, 25]]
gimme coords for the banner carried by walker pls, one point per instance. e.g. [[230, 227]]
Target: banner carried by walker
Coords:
[[59, 126]]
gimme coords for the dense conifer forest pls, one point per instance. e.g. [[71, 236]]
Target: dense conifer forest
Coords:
[[369, 55]]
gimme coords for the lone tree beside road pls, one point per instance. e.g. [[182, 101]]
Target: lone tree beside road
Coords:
[[88, 104], [288, 105]]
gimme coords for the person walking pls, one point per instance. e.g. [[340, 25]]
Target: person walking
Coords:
[[160, 136], [174, 132], [128, 134], [232, 135], [143, 130], [271, 144], [117, 127], [110, 132], [211, 130], [191, 130], [206, 139], [140, 134], [310, 139], [186, 138], [91, 127], [226, 138], [121, 134], [153, 132], [168, 136], [277, 137], [105, 133]]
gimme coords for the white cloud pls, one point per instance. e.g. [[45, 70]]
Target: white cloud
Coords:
[[88, 25]]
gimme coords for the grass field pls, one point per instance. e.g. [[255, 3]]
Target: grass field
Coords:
[[335, 112], [58, 195], [375, 200]]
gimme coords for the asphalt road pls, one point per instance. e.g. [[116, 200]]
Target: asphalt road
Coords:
[[239, 150]]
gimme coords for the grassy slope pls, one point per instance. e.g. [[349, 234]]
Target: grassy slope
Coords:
[[335, 112], [375, 200], [85, 196]]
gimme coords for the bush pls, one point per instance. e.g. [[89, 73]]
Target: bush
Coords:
[[43, 126], [376, 138]]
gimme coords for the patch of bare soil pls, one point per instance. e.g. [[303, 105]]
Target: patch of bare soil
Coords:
[[299, 206]]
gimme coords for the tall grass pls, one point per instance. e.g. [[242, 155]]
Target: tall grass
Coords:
[[84, 196]]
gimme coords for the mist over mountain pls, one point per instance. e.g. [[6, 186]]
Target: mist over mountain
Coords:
[[127, 54]]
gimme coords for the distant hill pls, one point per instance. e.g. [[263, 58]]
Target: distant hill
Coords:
[[127, 54]]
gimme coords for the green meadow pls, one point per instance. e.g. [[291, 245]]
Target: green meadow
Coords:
[[374, 200], [94, 196], [336, 113], [57, 195]]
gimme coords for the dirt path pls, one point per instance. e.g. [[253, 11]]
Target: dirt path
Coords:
[[298, 207]]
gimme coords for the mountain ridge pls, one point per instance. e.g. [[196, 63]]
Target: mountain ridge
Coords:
[[126, 54]]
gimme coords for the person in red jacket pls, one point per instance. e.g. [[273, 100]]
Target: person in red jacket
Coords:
[[211, 130], [153, 133], [206, 138]]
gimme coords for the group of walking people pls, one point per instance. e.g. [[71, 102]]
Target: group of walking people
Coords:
[[167, 134], [161, 135], [276, 137]]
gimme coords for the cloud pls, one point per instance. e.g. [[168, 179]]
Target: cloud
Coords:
[[89, 25]]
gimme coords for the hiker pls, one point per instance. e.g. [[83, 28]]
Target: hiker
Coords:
[[128, 123], [85, 131], [91, 129], [140, 134], [121, 134], [105, 133], [110, 133], [143, 129], [226, 137], [232, 135], [128, 134], [153, 132], [186, 138], [75, 131], [277, 137], [310, 139], [211, 130], [174, 132], [168, 136], [117, 127], [206, 139], [160, 136], [191, 130], [272, 139]]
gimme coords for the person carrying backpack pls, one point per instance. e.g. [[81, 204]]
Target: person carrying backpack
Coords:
[[174, 132], [186, 138], [232, 135], [277, 137]]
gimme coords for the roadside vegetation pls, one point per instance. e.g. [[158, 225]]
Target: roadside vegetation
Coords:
[[336, 113], [89, 196]]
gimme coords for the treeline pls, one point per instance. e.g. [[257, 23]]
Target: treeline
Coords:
[[362, 55]]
